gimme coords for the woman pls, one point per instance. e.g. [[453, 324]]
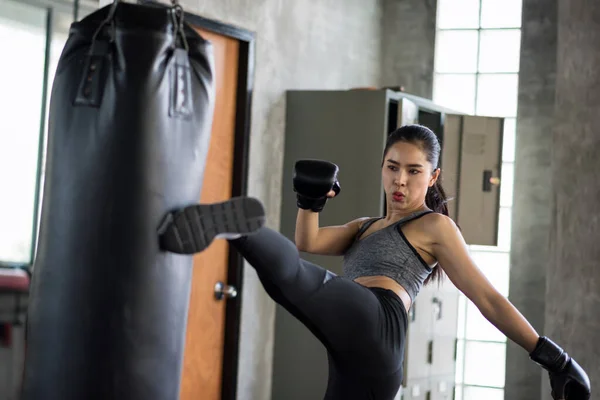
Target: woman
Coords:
[[361, 318]]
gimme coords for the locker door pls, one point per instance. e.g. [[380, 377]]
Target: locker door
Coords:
[[442, 389], [418, 390], [478, 194], [450, 160], [418, 354], [445, 302]]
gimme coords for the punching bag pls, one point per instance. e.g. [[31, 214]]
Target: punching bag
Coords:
[[129, 129]]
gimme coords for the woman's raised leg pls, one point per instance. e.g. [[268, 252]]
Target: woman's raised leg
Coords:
[[361, 328]]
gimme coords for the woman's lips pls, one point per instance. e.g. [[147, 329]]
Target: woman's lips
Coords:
[[398, 196]]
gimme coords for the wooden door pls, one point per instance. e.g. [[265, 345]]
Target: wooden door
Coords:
[[203, 359]]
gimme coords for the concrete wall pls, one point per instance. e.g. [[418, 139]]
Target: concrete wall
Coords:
[[408, 45], [555, 252], [573, 282], [532, 187]]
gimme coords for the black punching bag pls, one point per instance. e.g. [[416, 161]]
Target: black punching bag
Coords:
[[130, 120]]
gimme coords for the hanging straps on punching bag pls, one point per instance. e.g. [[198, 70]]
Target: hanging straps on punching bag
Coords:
[[129, 128]]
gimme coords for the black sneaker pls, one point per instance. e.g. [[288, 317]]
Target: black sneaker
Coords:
[[192, 229]]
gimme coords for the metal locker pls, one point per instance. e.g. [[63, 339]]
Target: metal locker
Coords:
[[450, 160], [349, 128], [442, 389], [419, 343], [418, 390], [445, 323], [479, 179]]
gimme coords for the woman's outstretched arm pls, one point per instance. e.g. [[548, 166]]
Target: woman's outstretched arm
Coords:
[[450, 249], [451, 252]]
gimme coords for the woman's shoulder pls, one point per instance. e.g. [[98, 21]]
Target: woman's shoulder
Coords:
[[363, 220], [438, 219], [358, 223], [438, 224]]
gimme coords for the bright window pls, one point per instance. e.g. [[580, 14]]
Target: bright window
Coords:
[[476, 71], [508, 147], [499, 50], [506, 191], [451, 44], [458, 14], [23, 35], [456, 91], [501, 13], [485, 363], [479, 393], [497, 95]]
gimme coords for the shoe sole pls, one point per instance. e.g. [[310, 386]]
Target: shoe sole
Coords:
[[194, 228]]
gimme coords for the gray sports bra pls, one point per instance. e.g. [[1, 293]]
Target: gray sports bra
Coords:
[[387, 253]]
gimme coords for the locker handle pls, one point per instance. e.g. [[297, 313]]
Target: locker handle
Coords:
[[430, 352], [455, 348], [489, 180], [438, 309]]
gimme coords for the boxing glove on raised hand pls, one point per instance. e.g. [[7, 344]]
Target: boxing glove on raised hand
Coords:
[[313, 179], [568, 380]]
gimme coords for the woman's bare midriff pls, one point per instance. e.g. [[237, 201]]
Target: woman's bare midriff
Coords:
[[386, 283]]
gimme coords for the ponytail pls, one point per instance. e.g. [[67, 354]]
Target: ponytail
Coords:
[[437, 201]]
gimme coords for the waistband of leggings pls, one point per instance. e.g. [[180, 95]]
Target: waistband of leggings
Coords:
[[393, 297]]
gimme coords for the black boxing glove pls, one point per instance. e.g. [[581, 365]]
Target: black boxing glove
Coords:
[[568, 380], [313, 179]]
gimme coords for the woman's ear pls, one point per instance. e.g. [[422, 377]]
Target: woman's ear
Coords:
[[434, 177]]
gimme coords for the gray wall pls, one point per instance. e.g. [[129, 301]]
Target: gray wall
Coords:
[[573, 283], [325, 44], [532, 187], [555, 252], [407, 45]]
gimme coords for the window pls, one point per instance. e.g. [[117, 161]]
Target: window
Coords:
[[456, 91], [508, 147], [458, 14], [506, 191], [476, 71], [497, 94], [501, 14], [478, 393], [451, 43], [499, 50], [23, 35], [485, 363]]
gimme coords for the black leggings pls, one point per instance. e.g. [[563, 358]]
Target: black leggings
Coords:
[[363, 329]]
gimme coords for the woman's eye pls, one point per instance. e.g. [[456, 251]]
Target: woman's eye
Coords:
[[393, 168], [414, 171]]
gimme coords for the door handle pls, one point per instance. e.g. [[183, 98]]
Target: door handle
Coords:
[[489, 180], [438, 308], [224, 291]]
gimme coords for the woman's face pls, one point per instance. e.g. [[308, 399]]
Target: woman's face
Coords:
[[406, 176]]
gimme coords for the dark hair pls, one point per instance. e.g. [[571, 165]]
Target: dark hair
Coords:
[[429, 143]]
